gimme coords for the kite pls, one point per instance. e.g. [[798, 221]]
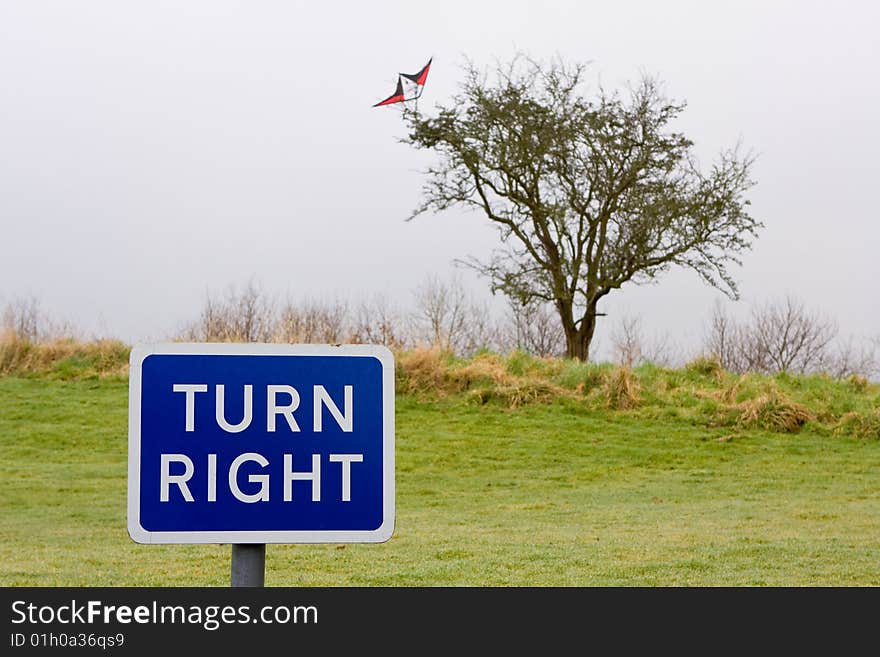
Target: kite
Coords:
[[409, 86]]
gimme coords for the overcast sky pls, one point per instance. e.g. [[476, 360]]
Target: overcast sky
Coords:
[[154, 152]]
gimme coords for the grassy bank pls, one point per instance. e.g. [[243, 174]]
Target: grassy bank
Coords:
[[510, 471], [701, 393]]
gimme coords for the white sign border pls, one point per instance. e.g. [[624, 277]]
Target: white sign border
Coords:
[[140, 352]]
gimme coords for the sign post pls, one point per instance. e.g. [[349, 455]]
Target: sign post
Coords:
[[250, 444], [248, 565]]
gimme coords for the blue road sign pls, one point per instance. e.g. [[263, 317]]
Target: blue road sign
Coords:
[[244, 443]]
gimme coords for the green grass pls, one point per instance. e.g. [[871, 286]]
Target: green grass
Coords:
[[564, 493]]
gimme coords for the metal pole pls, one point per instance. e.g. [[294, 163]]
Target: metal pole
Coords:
[[248, 564]]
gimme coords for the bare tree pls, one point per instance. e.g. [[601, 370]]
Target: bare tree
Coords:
[[662, 350], [627, 341], [782, 336], [535, 329], [440, 310], [587, 194], [632, 347], [724, 340], [23, 318], [378, 322], [788, 338], [445, 315], [481, 330], [313, 322], [850, 358], [245, 316], [252, 315]]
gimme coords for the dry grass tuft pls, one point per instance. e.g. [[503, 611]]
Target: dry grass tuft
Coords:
[[622, 389], [773, 411], [422, 371], [726, 394], [13, 351], [520, 393], [482, 369], [857, 383], [860, 425]]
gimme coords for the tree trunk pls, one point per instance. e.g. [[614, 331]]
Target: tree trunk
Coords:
[[578, 340], [571, 344], [566, 316]]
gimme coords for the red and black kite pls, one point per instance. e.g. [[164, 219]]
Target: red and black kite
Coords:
[[409, 86]]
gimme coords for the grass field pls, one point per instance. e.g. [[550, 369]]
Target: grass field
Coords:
[[498, 486]]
